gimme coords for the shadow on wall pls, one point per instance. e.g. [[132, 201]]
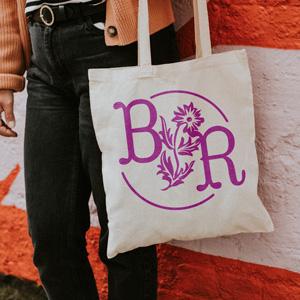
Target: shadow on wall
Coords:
[[12, 288]]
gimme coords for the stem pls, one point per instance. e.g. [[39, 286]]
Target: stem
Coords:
[[175, 152]]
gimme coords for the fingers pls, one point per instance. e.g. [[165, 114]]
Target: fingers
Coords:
[[6, 131], [6, 109]]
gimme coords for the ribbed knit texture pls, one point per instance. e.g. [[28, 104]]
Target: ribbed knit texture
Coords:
[[12, 62], [15, 47]]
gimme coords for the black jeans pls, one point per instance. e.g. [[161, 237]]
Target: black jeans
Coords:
[[62, 162]]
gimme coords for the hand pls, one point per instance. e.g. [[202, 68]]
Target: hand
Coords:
[[6, 106]]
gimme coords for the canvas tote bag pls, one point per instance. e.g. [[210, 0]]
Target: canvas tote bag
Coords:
[[178, 144]]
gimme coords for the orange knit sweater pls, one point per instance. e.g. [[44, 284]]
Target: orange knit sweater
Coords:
[[15, 47]]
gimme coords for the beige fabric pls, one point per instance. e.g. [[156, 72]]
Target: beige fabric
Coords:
[[178, 145]]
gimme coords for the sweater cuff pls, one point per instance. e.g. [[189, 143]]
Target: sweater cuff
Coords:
[[12, 82]]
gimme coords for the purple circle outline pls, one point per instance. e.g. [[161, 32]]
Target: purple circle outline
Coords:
[[199, 202], [193, 94], [162, 206]]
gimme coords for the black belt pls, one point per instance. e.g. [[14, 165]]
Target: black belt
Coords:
[[49, 15]]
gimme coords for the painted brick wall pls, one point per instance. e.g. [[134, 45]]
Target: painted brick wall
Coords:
[[246, 266]]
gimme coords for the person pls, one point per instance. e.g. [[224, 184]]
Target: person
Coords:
[[56, 42]]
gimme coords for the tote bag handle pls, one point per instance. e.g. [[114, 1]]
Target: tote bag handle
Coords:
[[202, 33]]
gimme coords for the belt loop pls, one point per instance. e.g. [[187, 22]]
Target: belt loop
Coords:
[[61, 12], [79, 6]]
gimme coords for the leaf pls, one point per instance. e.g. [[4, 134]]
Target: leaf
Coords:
[[166, 168], [187, 148], [187, 170], [184, 173], [167, 137]]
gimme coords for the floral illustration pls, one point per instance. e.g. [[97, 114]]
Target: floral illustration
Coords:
[[182, 142], [189, 116]]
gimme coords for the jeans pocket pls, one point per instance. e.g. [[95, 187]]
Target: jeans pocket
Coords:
[[90, 27]]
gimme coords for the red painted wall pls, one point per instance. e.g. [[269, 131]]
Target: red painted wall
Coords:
[[263, 23]]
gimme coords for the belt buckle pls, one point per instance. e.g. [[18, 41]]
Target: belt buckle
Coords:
[[45, 13]]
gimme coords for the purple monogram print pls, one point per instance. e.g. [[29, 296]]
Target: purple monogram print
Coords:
[[171, 146]]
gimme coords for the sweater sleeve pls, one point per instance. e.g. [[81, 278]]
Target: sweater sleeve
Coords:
[[12, 63]]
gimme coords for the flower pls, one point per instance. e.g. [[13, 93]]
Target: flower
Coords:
[[189, 116]]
